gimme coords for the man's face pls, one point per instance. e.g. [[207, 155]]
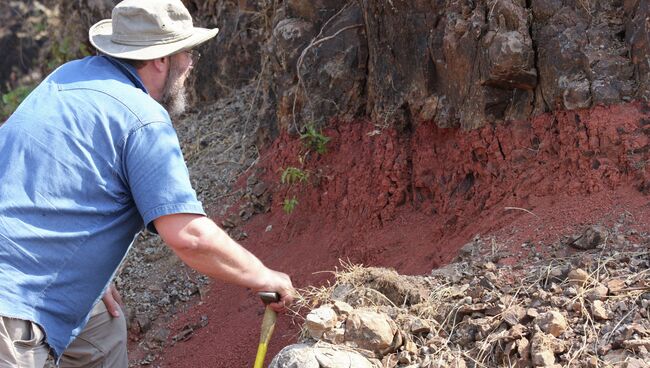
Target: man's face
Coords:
[[174, 97]]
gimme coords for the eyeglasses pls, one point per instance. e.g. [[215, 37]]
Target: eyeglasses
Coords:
[[194, 56]]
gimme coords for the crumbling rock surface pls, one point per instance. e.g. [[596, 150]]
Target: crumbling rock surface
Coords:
[[457, 176], [637, 35], [458, 63], [233, 59]]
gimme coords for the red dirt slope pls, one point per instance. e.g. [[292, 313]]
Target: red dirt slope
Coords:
[[409, 200]]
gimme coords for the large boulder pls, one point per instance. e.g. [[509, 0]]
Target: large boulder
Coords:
[[338, 357], [319, 356], [295, 356]]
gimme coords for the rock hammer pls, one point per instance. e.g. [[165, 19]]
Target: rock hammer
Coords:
[[268, 324]]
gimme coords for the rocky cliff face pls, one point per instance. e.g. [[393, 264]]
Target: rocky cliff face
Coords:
[[458, 63]]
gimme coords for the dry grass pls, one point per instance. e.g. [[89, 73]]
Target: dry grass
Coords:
[[445, 307]]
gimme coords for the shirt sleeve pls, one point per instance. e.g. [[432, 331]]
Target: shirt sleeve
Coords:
[[156, 173]]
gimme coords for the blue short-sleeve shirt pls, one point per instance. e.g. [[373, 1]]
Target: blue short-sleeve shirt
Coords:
[[86, 161]]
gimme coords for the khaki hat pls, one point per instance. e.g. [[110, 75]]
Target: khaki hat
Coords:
[[147, 30]]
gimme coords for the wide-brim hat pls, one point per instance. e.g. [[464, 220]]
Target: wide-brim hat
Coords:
[[147, 30]]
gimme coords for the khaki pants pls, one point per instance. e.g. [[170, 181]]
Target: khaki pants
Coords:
[[102, 343]]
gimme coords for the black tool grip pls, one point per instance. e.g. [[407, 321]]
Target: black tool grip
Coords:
[[269, 297]]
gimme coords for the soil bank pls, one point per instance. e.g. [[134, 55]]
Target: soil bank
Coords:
[[410, 199]]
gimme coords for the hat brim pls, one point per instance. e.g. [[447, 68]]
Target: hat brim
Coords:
[[100, 36]]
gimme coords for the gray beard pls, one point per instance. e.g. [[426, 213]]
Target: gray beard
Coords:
[[174, 97]]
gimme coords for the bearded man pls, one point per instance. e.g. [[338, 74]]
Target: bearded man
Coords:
[[87, 161]]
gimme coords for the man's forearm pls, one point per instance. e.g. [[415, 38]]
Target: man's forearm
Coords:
[[203, 246]]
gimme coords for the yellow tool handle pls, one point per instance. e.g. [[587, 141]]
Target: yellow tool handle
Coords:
[[261, 353], [268, 324]]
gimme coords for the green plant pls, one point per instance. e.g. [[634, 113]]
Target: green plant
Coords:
[[292, 175], [12, 99], [315, 140], [289, 204]]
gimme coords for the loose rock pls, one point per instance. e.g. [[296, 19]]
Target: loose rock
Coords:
[[320, 320], [590, 239], [552, 322], [598, 310], [369, 330]]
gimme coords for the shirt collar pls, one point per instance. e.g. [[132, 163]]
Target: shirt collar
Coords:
[[129, 70]]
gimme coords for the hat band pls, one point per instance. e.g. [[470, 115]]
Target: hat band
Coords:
[[150, 42]]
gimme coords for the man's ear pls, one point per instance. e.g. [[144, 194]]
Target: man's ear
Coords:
[[161, 64]]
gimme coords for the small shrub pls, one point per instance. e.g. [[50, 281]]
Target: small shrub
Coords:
[[289, 204], [315, 140], [292, 175]]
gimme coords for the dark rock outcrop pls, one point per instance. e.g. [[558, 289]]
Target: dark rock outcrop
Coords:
[[460, 64], [457, 63]]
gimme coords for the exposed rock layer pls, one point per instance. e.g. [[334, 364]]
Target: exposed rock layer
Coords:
[[458, 63], [455, 176]]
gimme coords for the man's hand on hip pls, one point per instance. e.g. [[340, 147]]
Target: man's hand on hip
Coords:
[[113, 301]]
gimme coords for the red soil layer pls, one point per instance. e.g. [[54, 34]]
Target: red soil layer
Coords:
[[409, 200]]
